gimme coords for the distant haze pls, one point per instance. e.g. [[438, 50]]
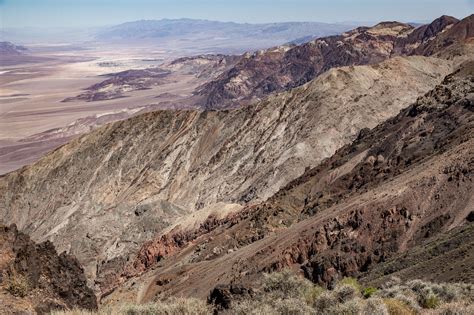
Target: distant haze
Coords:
[[91, 13]]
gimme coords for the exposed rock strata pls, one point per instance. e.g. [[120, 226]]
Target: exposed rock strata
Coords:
[[393, 188], [100, 196]]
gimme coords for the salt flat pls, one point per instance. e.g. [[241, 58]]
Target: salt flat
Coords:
[[32, 94]]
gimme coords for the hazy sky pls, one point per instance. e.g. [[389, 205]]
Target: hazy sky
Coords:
[[46, 13]]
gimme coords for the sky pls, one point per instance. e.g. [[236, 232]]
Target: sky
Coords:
[[91, 13]]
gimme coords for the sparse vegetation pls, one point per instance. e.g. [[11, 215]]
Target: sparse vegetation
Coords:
[[368, 292], [17, 285], [169, 307], [289, 294]]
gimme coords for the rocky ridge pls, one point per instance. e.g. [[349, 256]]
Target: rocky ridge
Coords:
[[281, 68]]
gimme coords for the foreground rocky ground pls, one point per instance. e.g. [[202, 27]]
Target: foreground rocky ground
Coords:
[[35, 279]]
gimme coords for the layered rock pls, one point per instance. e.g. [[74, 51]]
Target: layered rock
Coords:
[[100, 196]]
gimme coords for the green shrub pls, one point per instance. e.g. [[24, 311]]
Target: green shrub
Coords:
[[350, 281], [368, 292]]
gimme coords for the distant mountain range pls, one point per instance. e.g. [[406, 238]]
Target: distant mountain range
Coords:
[[7, 48], [196, 30]]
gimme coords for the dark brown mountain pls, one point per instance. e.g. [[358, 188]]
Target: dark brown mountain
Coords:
[[34, 278], [424, 34], [263, 72], [457, 33]]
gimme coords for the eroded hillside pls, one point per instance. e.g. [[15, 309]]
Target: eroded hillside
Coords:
[[100, 196], [394, 188]]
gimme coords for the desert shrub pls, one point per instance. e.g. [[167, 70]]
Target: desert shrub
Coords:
[[374, 306], [410, 299], [392, 282], [430, 301], [325, 301], [352, 307], [286, 284], [423, 294], [396, 307], [345, 292], [350, 281], [170, 307], [17, 285], [312, 293], [252, 307], [292, 306], [451, 292], [75, 312], [431, 295], [456, 308], [142, 309], [368, 292]]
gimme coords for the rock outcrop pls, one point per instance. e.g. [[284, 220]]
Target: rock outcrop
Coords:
[[34, 278]]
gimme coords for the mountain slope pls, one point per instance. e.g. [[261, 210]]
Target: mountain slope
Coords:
[[100, 196], [261, 73], [11, 54], [446, 257], [34, 278], [393, 188]]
